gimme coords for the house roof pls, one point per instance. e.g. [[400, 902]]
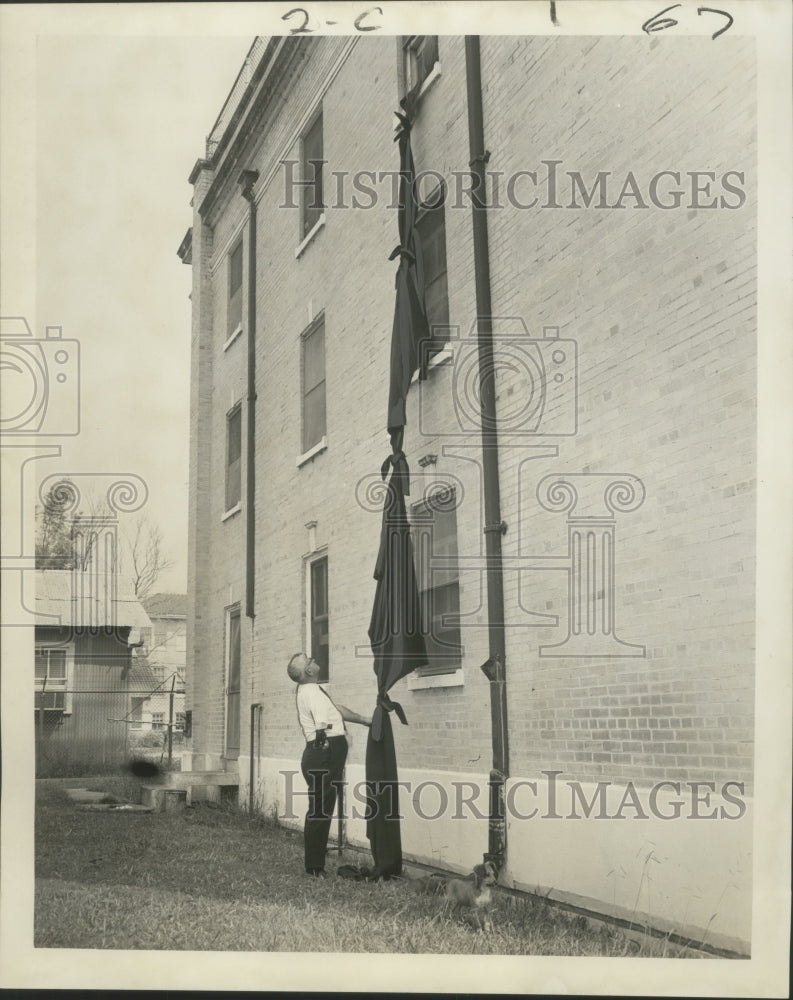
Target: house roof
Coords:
[[165, 605], [141, 676], [75, 599]]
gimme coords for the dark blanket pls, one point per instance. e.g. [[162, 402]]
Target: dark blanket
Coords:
[[382, 826]]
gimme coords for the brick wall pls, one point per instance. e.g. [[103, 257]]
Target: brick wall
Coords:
[[201, 682], [661, 306]]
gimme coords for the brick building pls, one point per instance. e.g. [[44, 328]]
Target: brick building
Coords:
[[621, 226]]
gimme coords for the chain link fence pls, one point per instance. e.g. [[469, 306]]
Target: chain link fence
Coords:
[[79, 732]]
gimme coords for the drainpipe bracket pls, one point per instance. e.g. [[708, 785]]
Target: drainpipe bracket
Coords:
[[482, 158], [500, 527], [493, 669], [246, 181]]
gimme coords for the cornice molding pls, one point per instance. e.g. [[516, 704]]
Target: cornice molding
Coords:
[[253, 122]]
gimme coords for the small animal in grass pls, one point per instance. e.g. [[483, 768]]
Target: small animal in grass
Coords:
[[471, 897]]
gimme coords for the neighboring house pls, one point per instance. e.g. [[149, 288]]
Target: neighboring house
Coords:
[[165, 652], [83, 669], [622, 252], [142, 682]]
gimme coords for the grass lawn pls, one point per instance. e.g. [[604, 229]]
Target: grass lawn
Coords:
[[214, 878]]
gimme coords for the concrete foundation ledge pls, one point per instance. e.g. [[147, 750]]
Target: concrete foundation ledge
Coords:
[[675, 857]]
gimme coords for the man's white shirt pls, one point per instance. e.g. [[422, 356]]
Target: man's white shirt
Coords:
[[315, 710]]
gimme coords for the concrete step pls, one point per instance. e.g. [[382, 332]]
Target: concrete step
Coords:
[[184, 779], [161, 798], [120, 807]]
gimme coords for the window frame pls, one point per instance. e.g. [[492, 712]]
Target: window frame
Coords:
[[312, 216], [317, 559], [306, 447], [231, 612], [425, 212], [233, 329], [409, 47], [233, 414], [422, 520], [55, 685]]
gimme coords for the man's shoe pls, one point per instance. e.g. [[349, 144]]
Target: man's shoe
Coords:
[[317, 872]]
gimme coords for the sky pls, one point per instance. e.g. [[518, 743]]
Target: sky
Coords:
[[120, 122]]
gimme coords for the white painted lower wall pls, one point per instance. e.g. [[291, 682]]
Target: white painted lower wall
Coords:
[[689, 875], [194, 761]]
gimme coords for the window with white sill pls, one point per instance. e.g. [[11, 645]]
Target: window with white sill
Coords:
[[313, 421], [54, 673], [234, 307], [434, 534]]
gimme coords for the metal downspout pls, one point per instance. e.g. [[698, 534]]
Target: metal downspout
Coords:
[[494, 527], [247, 179], [255, 707]]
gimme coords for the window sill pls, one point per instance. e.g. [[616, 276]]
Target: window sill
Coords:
[[429, 80], [320, 446], [231, 512], [423, 682], [233, 337], [320, 223], [443, 357]]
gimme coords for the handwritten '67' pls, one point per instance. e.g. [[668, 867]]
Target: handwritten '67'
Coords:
[[658, 22]]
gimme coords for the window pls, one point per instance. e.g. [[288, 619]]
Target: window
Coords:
[[431, 225], [434, 529], [233, 457], [234, 316], [180, 721], [318, 571], [419, 54], [52, 671], [233, 686], [311, 164], [159, 673], [313, 350], [158, 720]]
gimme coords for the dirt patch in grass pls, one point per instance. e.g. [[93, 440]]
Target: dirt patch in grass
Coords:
[[215, 878]]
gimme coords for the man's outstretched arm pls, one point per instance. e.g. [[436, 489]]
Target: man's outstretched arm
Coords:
[[349, 716]]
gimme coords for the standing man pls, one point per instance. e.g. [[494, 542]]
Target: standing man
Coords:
[[322, 722]]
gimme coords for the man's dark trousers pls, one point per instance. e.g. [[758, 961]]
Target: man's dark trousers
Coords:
[[322, 770]]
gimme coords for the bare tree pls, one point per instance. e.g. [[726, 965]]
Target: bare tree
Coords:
[[81, 540], [87, 525], [144, 550]]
